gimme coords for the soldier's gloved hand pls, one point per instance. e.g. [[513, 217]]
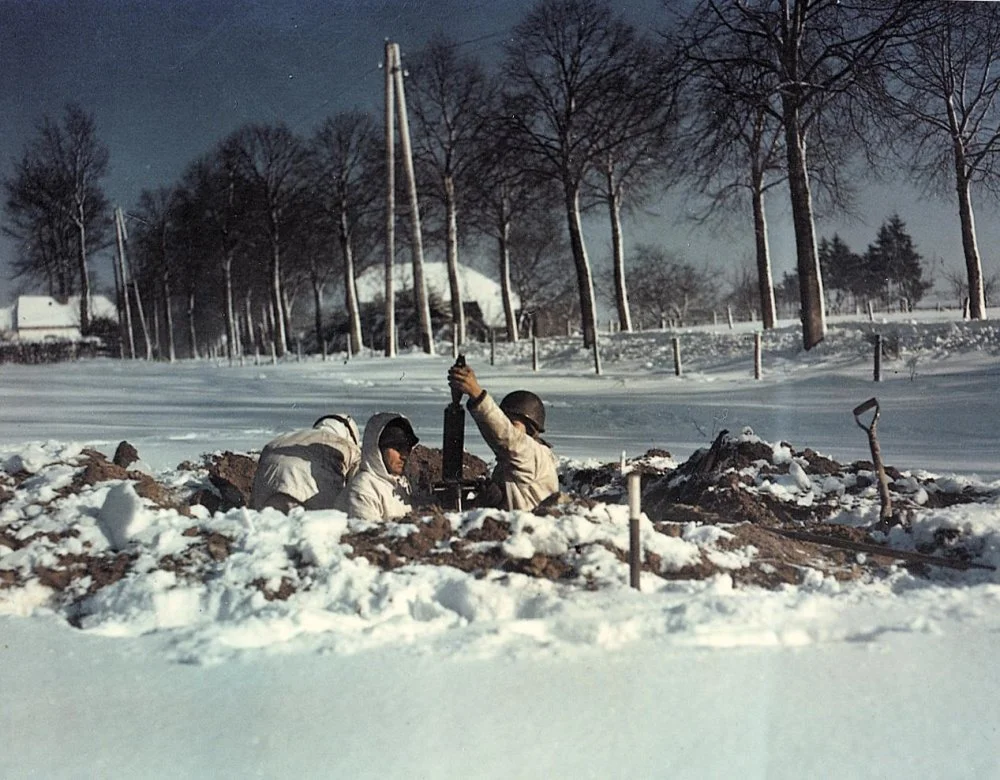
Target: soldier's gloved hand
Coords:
[[463, 379]]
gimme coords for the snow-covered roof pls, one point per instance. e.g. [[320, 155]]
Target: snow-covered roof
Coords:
[[476, 286], [43, 311]]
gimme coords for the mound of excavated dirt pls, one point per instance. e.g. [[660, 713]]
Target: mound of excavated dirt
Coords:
[[423, 470], [719, 486]]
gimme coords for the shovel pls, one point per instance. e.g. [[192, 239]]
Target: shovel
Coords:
[[885, 516]]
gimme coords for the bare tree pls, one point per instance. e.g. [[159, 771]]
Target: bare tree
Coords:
[[346, 151], [638, 146], [153, 240], [665, 287], [738, 151], [944, 86], [446, 93], [502, 193], [812, 52], [561, 62], [271, 159], [59, 176]]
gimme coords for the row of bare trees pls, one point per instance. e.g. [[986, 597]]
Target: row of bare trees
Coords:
[[736, 100]]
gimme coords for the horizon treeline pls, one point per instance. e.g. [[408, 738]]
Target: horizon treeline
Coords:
[[738, 103]]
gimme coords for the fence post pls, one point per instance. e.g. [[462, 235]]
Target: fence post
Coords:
[[677, 355], [493, 345], [878, 357], [756, 355], [634, 510], [597, 355], [871, 312], [729, 316], [534, 350]]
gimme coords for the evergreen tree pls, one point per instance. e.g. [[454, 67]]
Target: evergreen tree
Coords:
[[895, 260], [845, 273]]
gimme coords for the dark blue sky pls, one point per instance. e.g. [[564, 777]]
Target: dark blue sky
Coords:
[[166, 80]]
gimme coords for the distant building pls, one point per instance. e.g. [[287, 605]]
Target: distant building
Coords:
[[476, 287], [41, 317]]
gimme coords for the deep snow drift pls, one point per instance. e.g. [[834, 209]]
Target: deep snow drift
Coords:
[[250, 642]]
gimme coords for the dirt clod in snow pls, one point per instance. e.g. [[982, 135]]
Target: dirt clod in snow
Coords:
[[232, 475], [125, 455]]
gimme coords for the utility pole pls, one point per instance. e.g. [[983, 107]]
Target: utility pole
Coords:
[[419, 283], [124, 277], [390, 202], [123, 237]]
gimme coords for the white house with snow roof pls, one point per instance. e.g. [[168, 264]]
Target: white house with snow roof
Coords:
[[41, 317], [476, 287]]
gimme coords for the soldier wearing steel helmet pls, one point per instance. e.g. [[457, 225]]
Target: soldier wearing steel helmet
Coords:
[[525, 474]]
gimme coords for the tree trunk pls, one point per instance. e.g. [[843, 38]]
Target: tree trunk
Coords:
[[317, 289], [351, 285], [232, 335], [457, 310], [280, 335], [584, 279], [765, 282], [168, 316], [970, 247], [157, 329], [505, 292], [810, 279], [421, 302], [618, 252], [192, 332], [390, 202]]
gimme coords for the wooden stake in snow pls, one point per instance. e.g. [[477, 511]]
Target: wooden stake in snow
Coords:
[[493, 345], [677, 355], [634, 510], [878, 358], [729, 316], [597, 355], [871, 312], [756, 355]]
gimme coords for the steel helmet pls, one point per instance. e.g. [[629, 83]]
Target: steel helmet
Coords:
[[523, 403]]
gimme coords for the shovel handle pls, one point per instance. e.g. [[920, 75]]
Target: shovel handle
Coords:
[[871, 403]]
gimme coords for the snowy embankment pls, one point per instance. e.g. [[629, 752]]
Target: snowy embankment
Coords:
[[493, 616]]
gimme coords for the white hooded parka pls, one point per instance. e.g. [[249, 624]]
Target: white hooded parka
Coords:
[[374, 493]]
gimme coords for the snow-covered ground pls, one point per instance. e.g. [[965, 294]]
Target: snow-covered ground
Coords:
[[426, 671]]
